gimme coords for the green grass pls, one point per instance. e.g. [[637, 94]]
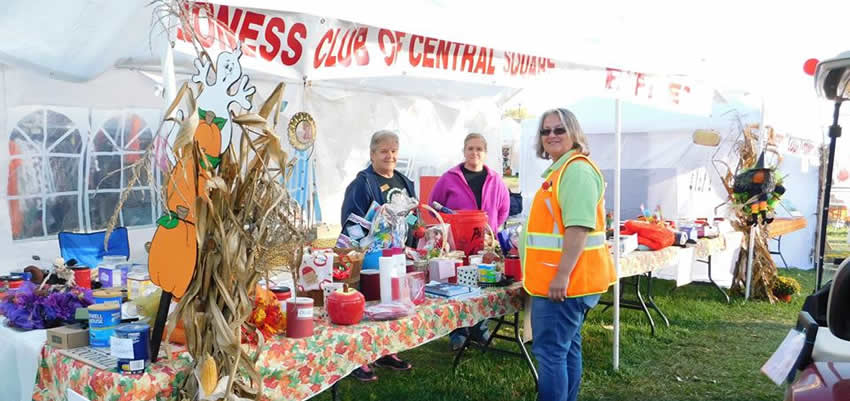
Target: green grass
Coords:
[[837, 239], [711, 351]]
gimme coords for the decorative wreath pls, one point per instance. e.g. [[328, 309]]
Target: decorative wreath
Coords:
[[302, 142]]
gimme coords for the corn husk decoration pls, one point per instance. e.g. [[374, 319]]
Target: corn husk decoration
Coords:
[[764, 268], [246, 226]]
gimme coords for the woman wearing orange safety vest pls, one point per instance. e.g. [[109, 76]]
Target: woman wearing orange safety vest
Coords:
[[565, 261]]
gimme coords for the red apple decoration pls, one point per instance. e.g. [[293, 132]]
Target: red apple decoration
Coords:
[[346, 306], [419, 232]]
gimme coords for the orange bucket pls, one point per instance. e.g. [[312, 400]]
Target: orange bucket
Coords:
[[468, 229]]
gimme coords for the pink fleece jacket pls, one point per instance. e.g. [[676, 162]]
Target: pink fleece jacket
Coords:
[[453, 192]]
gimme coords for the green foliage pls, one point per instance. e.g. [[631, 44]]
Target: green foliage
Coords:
[[783, 285]]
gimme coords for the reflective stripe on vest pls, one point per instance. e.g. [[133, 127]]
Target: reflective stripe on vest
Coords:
[[554, 242]]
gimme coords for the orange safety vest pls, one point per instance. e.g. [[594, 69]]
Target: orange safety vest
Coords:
[[544, 235]]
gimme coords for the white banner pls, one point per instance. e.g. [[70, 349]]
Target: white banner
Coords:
[[305, 47], [300, 46]]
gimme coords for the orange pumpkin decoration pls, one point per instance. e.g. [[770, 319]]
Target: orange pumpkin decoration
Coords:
[[174, 248]]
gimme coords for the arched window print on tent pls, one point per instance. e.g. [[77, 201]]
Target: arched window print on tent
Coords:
[[116, 144], [45, 149], [64, 176]]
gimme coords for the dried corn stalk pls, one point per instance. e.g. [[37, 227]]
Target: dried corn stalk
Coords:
[[764, 268], [246, 226]]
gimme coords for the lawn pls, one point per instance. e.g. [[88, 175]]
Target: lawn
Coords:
[[712, 351]]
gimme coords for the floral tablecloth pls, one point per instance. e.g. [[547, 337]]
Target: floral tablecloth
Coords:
[[293, 369], [640, 262], [705, 247]]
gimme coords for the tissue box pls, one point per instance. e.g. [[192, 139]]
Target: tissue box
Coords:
[[628, 243], [467, 275], [67, 337], [487, 273], [113, 276], [691, 231], [441, 270]]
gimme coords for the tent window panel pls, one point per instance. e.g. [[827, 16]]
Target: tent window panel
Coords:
[[105, 172], [20, 144], [31, 127], [101, 207], [104, 140], [71, 142], [61, 214], [25, 216], [137, 135], [25, 176], [63, 174], [138, 209], [130, 159]]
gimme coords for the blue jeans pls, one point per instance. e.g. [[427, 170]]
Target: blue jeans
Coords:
[[557, 345]]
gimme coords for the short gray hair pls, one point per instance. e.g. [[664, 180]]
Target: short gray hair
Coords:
[[475, 135], [381, 136], [574, 131]]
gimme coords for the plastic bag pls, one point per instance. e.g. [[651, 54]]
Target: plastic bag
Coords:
[[390, 227], [388, 311]]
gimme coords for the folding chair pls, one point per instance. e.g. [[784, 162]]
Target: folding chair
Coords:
[[87, 248]]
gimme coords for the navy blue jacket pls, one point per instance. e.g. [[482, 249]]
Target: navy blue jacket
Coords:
[[363, 190]]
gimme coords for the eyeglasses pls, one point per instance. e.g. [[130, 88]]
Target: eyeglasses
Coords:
[[558, 131]]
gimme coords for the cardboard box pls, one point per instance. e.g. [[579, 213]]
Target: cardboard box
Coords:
[[67, 337]]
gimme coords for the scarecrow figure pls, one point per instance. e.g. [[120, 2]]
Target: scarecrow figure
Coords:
[[758, 190]]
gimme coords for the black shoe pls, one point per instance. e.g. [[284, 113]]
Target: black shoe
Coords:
[[364, 375], [393, 363]]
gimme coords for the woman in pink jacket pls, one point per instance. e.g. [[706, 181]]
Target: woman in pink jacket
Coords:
[[472, 186]]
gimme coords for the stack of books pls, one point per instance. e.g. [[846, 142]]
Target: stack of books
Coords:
[[448, 290]]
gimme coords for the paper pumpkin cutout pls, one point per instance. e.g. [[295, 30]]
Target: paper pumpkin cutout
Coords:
[[174, 248]]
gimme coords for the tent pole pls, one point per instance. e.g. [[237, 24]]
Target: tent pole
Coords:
[[834, 133], [616, 226], [759, 146]]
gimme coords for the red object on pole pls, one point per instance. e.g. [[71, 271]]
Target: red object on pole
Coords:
[[810, 65]]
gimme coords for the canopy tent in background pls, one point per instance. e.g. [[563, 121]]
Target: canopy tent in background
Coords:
[[663, 167]]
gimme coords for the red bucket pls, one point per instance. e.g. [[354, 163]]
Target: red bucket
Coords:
[[513, 268], [468, 228], [82, 276]]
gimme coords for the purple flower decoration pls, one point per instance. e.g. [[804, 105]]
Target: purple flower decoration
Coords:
[[27, 308]]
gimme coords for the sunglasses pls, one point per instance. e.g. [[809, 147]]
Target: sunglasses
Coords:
[[558, 131]]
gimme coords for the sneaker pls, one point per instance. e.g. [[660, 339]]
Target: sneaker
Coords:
[[392, 362], [481, 332], [364, 375]]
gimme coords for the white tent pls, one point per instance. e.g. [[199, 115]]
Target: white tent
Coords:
[[663, 167], [78, 41]]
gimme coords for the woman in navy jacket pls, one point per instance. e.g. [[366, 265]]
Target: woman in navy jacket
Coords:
[[379, 183]]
